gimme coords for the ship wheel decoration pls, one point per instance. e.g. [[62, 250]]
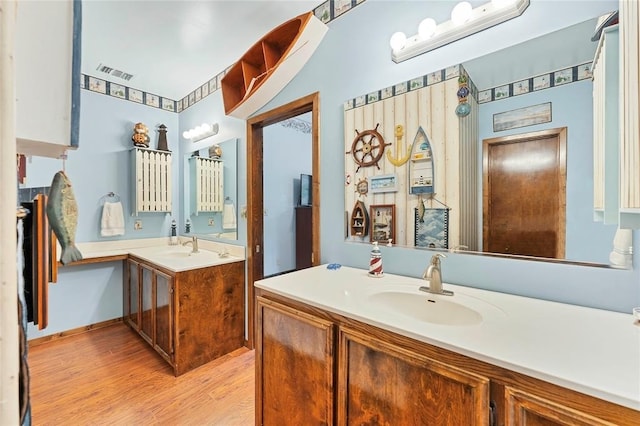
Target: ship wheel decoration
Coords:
[[368, 148]]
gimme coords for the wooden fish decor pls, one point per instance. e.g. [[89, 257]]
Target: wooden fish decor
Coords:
[[62, 212]]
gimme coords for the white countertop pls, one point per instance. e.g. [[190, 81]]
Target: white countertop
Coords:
[[593, 351], [176, 258]]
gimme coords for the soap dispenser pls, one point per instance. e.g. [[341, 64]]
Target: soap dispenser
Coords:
[[174, 237], [375, 263]]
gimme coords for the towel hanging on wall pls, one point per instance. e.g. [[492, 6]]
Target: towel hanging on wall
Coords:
[[228, 215], [112, 222]]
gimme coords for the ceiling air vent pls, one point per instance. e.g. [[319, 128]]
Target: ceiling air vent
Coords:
[[115, 73]]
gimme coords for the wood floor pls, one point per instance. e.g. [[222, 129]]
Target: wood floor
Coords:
[[110, 376]]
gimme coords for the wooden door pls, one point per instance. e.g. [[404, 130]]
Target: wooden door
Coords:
[[131, 295], [294, 367], [146, 303], [524, 194], [383, 384], [255, 205], [163, 342], [526, 409]]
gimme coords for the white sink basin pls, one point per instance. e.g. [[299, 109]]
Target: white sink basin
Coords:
[[181, 258], [456, 310]]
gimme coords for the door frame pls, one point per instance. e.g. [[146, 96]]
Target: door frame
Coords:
[[255, 204], [561, 134]]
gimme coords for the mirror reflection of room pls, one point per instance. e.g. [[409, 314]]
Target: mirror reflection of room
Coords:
[[512, 96]]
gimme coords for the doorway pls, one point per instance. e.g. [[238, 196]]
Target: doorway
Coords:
[[524, 194], [255, 194]]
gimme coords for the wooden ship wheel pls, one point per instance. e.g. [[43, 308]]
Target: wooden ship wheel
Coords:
[[368, 148]]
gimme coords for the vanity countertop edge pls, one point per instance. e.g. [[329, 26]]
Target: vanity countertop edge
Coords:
[[93, 252], [593, 351]]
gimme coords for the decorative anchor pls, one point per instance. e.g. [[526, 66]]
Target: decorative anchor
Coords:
[[399, 161]]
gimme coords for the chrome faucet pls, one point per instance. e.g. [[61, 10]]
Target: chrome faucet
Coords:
[[434, 276], [194, 244]]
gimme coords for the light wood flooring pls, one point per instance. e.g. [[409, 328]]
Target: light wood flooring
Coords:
[[110, 376]]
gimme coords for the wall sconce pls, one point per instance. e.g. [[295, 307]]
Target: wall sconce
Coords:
[[201, 132], [464, 22]]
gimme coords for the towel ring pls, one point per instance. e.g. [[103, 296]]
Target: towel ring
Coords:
[[111, 197]]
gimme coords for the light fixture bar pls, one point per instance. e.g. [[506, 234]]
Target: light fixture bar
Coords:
[[482, 17], [201, 132]]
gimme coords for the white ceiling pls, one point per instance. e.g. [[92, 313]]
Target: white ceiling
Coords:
[[170, 46]]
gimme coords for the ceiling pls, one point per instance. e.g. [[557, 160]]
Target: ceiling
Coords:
[[171, 47]]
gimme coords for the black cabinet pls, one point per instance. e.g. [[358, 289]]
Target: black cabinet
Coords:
[[304, 237]]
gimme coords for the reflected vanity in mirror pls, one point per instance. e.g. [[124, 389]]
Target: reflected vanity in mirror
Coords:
[[441, 203], [211, 191]]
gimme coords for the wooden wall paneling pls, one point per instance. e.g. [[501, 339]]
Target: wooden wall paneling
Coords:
[[358, 123], [469, 188], [398, 198], [349, 168], [452, 166], [413, 119]]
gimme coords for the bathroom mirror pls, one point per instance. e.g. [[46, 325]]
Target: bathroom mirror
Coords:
[[586, 241], [222, 223]]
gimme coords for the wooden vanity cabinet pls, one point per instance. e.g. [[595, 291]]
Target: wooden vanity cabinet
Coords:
[[386, 384], [326, 368], [189, 317]]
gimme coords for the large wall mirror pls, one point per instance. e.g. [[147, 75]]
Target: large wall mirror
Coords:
[[208, 171], [550, 73]]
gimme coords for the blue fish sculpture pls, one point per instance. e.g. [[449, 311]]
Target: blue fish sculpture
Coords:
[[62, 212]]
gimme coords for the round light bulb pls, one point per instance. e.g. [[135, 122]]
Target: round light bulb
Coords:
[[398, 40], [206, 127], [186, 134], [427, 28], [461, 13]]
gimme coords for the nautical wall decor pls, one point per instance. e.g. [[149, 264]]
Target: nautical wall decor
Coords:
[[368, 148], [421, 165], [359, 220], [446, 166], [401, 157]]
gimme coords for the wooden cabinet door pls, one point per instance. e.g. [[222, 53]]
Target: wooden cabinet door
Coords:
[[163, 305], [383, 384], [131, 295], [294, 367], [526, 409], [146, 306]]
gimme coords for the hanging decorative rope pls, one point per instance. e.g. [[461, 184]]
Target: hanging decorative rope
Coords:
[[463, 109]]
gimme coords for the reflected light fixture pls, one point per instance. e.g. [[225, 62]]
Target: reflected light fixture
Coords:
[[201, 132], [465, 21]]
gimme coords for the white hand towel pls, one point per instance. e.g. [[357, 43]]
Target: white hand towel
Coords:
[[112, 219], [229, 216]]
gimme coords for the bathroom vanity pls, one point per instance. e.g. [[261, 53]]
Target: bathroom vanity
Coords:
[[189, 317], [338, 347], [187, 303]]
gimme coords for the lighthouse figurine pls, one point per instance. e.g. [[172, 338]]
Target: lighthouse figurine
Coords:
[[375, 263]]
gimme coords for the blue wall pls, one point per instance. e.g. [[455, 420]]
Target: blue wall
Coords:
[[352, 60], [342, 68], [287, 154]]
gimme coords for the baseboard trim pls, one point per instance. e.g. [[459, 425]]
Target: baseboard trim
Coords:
[[73, 332]]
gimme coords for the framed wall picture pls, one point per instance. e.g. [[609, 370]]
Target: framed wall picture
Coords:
[[384, 183], [383, 222]]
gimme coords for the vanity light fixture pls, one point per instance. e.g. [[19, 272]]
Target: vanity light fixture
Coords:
[[201, 132], [465, 21]]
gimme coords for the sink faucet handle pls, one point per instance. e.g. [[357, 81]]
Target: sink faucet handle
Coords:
[[435, 259]]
